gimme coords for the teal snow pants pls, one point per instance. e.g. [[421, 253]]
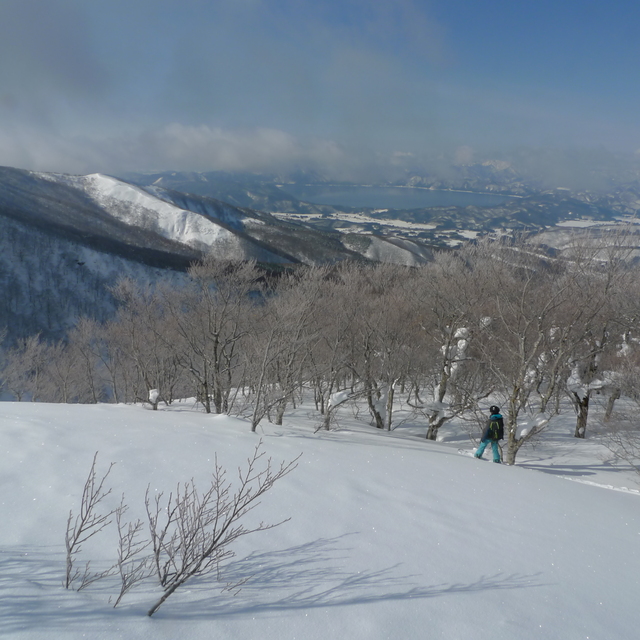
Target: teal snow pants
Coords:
[[494, 446]]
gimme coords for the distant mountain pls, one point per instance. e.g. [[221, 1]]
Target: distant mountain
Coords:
[[164, 227], [252, 191], [66, 239], [528, 205]]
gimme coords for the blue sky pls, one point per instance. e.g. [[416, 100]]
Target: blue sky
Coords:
[[349, 87]]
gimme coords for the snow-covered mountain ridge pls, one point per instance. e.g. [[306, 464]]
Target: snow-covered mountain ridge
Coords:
[[191, 224], [527, 205], [152, 209], [66, 239]]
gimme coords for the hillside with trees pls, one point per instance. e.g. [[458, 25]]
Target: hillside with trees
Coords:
[[499, 320]]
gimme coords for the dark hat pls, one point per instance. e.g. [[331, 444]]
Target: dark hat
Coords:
[[494, 409]]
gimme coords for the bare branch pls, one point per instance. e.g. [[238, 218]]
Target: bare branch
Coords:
[[86, 524], [191, 535], [131, 567]]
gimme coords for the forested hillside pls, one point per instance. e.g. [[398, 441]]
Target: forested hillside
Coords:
[[497, 319], [48, 281], [66, 239]]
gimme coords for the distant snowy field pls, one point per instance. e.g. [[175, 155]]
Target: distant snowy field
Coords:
[[390, 537]]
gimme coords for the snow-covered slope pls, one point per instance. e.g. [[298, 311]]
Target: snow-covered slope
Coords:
[[396, 250], [135, 206], [48, 281], [108, 210], [64, 240], [390, 536], [139, 208]]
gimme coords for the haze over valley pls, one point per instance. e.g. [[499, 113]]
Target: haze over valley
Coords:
[[67, 239]]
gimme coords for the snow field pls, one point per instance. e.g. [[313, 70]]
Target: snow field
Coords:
[[390, 536]]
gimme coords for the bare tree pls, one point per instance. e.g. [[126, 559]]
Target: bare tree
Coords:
[[447, 297], [210, 319], [53, 371], [379, 341], [619, 361], [277, 351], [622, 432], [600, 278], [88, 523], [517, 330], [621, 427], [94, 369], [145, 332], [542, 314], [191, 532], [131, 565], [330, 355], [274, 355], [24, 368], [69, 375], [292, 310]]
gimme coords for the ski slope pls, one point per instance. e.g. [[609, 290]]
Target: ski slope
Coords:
[[389, 537]]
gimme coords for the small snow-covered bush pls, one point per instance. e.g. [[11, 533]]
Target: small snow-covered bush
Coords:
[[190, 531]]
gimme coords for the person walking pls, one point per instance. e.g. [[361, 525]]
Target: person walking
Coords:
[[493, 432]]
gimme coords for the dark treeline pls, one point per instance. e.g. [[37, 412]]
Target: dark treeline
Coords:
[[496, 319]]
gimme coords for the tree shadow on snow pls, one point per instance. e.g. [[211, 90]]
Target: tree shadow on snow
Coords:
[[311, 576], [576, 470], [32, 595]]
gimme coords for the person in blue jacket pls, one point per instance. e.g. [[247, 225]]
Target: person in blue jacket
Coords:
[[493, 432]]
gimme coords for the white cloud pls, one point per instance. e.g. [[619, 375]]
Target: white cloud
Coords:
[[175, 146]]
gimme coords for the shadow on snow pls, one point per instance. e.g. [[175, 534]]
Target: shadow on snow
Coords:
[[300, 577]]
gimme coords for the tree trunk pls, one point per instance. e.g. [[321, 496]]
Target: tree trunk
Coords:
[[206, 400], [615, 395], [390, 396], [435, 423], [582, 409], [280, 410], [512, 451], [164, 597], [326, 422], [375, 414], [513, 444]]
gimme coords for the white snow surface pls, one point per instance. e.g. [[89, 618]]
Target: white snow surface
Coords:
[[382, 250], [135, 206], [390, 537]]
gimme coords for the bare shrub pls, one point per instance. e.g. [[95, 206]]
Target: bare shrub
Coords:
[[623, 438], [191, 532], [131, 566], [88, 523]]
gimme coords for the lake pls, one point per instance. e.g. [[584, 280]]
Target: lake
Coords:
[[391, 197]]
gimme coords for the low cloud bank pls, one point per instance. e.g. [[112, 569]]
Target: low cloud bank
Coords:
[[180, 147]]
